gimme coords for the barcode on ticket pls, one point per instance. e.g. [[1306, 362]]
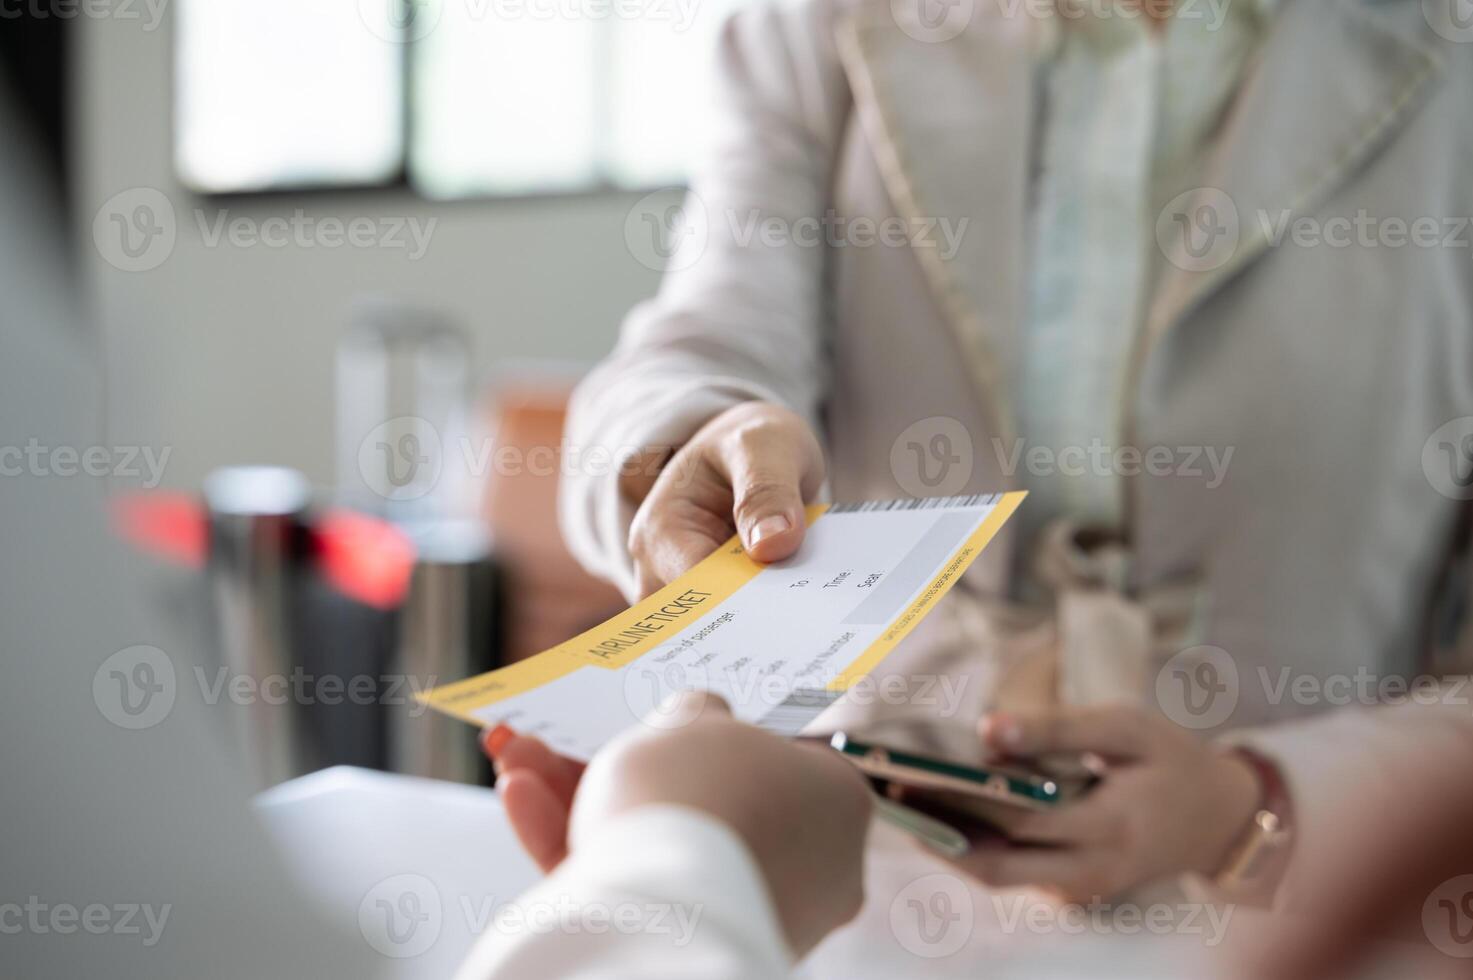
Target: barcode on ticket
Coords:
[[801, 707], [917, 503]]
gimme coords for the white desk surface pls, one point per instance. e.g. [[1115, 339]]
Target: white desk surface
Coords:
[[352, 833]]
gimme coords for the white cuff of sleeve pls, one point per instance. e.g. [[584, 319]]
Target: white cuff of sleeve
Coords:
[[659, 892], [683, 856]]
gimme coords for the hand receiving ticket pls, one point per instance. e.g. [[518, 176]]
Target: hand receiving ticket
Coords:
[[779, 642]]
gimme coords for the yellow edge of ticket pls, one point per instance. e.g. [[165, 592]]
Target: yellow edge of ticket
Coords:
[[656, 621]]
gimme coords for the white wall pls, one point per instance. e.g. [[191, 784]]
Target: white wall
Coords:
[[225, 354]]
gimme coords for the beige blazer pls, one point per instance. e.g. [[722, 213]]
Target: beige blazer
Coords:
[[1327, 549]]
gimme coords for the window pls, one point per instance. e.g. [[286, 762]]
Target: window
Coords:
[[464, 97], [284, 93]]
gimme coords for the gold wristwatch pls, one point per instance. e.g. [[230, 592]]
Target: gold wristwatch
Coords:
[[1257, 861]]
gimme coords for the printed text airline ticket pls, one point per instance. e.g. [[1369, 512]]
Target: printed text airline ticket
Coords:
[[780, 642]]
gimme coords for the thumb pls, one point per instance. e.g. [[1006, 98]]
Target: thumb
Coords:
[[685, 707], [767, 485]]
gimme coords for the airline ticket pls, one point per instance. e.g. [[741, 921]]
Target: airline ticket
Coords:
[[781, 642]]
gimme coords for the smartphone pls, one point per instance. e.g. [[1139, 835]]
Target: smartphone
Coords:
[[980, 792]]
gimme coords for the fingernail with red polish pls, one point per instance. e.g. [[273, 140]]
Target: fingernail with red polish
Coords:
[[495, 740]]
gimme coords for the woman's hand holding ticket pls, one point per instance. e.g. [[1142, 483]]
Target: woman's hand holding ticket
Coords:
[[749, 470]]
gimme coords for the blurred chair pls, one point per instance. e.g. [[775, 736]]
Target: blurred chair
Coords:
[[549, 598]]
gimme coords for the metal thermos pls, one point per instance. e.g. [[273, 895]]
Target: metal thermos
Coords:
[[257, 545], [447, 631]]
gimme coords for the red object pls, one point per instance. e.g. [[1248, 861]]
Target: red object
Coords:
[[170, 525], [495, 740], [362, 557]]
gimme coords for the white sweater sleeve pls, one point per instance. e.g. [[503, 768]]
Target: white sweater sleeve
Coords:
[[739, 315], [660, 892]]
